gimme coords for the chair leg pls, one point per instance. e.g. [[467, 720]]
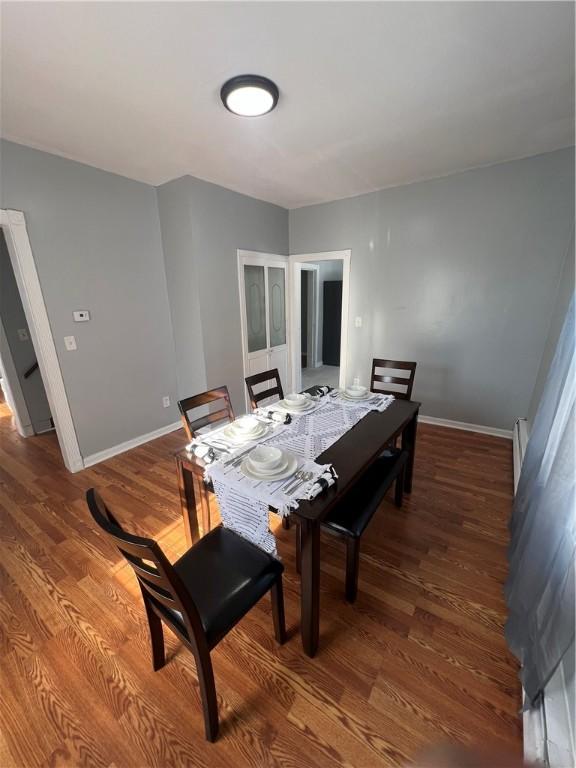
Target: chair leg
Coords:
[[277, 595], [399, 488], [352, 567], [207, 692], [156, 636], [298, 548], [286, 523]]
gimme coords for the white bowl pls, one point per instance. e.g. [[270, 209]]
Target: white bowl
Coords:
[[246, 425], [265, 458], [296, 400], [356, 390]]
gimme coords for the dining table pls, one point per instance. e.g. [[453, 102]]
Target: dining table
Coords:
[[351, 455]]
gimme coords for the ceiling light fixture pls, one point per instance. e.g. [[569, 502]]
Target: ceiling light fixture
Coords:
[[249, 95]]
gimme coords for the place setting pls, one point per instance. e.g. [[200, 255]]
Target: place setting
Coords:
[[360, 395], [297, 404], [220, 443], [269, 474]]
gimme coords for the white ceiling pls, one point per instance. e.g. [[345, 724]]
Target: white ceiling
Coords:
[[372, 94]]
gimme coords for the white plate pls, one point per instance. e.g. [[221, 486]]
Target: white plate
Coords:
[[367, 396], [269, 472], [288, 470], [244, 437], [290, 409]]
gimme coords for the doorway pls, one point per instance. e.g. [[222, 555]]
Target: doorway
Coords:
[[20, 379], [320, 318], [14, 231]]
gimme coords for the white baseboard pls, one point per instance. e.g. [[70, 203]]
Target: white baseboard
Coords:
[[96, 458], [507, 433]]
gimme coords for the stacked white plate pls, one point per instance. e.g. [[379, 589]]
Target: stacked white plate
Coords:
[[244, 429], [356, 392], [296, 403], [268, 463]]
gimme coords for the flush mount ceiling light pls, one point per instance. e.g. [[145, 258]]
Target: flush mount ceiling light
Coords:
[[249, 95]]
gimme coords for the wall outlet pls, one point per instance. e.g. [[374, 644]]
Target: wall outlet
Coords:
[[81, 315], [166, 401], [356, 381], [70, 343], [23, 334], [358, 322]]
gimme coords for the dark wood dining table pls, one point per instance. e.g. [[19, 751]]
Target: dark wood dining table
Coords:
[[351, 456]]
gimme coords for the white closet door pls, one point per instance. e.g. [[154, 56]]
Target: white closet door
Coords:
[[264, 298]]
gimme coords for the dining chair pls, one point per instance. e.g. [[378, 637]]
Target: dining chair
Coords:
[[260, 378], [351, 516], [201, 597], [403, 381], [204, 399]]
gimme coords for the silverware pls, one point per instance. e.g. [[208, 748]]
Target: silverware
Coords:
[[234, 459], [291, 479], [304, 478]]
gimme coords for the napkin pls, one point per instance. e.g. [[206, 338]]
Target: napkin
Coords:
[[281, 418], [202, 451], [326, 479]]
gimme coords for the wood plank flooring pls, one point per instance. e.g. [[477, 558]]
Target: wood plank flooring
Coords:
[[419, 659]]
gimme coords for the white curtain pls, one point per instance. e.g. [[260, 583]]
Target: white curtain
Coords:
[[540, 587]]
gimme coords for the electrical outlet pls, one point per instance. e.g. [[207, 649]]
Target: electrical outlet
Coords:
[[166, 402], [358, 322], [23, 334], [70, 343]]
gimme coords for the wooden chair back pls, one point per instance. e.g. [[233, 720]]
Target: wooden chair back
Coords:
[[259, 378], [205, 398], [162, 588], [407, 382]]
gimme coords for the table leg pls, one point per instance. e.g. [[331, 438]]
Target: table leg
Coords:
[[409, 444], [188, 503], [204, 495], [310, 585]]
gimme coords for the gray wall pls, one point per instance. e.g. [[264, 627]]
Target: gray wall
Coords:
[[564, 293], [96, 242], [21, 352], [459, 274], [201, 268]]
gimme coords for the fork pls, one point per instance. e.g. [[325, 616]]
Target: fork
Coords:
[[304, 478], [296, 476]]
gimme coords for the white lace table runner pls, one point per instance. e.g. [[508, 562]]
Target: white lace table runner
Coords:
[[244, 503]]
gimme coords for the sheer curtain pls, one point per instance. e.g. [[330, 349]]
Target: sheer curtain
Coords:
[[540, 587]]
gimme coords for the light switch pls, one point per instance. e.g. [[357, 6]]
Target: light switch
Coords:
[[70, 343], [358, 322], [23, 334], [166, 401], [81, 315]]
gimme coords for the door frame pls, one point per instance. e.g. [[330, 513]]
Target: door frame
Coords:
[[296, 262], [315, 269], [13, 224], [265, 259]]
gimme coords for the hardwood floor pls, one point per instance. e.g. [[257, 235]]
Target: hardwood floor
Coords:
[[420, 658]]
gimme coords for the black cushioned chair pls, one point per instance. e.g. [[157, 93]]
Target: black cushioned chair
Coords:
[[202, 596], [350, 518]]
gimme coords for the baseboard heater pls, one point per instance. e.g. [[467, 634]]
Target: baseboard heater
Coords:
[[519, 442]]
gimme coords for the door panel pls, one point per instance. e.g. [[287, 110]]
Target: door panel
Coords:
[[255, 298], [277, 305]]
